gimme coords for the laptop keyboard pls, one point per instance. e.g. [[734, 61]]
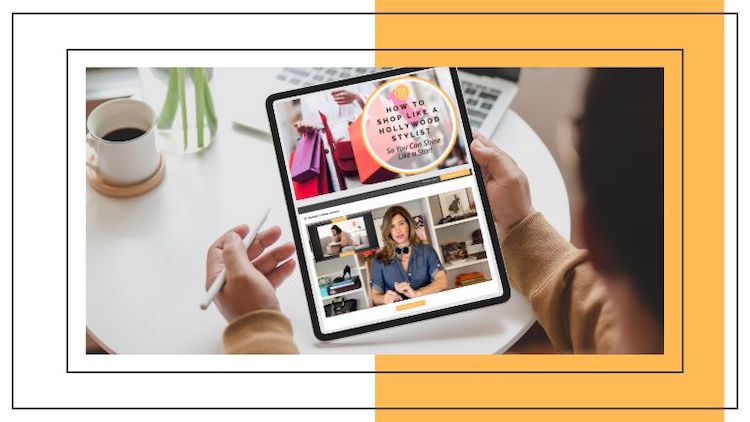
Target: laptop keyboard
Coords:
[[479, 101], [306, 76], [479, 98]]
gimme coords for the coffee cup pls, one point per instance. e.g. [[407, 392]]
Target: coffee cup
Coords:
[[122, 135]]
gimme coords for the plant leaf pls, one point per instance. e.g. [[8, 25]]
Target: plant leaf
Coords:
[[169, 108], [181, 84], [199, 81], [210, 111]]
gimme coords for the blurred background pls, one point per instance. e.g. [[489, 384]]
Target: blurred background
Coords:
[[549, 99]]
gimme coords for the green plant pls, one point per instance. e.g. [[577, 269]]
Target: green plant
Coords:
[[205, 113]]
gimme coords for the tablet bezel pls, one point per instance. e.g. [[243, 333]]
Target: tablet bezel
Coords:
[[293, 217]]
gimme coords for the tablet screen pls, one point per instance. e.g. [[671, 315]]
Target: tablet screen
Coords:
[[391, 223]]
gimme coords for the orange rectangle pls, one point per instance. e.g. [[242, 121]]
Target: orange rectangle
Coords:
[[411, 305], [690, 372], [455, 174]]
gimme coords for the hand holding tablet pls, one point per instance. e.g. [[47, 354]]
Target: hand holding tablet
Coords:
[[505, 181]]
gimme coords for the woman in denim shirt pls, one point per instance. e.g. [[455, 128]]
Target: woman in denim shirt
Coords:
[[404, 268]]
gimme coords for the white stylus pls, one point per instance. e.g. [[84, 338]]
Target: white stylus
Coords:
[[220, 279]]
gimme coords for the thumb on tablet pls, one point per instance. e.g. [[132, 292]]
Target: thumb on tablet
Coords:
[[495, 163], [507, 186]]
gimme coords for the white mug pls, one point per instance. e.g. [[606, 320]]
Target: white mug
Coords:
[[123, 162]]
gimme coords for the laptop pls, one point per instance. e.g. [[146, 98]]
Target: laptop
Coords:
[[487, 92]]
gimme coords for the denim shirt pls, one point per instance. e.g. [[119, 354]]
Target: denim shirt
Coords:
[[423, 266]]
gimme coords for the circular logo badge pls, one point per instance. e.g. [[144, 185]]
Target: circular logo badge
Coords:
[[401, 91], [409, 125]]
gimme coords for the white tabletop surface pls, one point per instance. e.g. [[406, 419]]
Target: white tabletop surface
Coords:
[[145, 256]]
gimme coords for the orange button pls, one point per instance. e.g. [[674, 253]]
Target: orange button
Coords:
[[406, 306], [455, 174]]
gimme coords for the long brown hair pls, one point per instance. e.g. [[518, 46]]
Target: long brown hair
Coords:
[[387, 251]]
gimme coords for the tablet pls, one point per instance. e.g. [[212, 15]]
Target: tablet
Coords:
[[388, 209]]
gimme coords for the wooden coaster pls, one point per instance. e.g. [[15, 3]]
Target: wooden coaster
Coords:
[[127, 191]]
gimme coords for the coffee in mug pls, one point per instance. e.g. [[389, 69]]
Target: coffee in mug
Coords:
[[122, 135]]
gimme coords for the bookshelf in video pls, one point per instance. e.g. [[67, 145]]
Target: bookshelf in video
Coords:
[[386, 237]]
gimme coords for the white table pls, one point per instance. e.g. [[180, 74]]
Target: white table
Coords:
[[145, 256]]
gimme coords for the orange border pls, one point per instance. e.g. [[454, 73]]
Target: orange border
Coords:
[[701, 382]]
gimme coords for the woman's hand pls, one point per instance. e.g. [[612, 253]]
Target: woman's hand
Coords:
[[507, 185], [251, 275], [405, 289], [390, 296], [304, 127], [343, 97]]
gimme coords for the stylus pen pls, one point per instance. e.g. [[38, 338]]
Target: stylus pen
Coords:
[[221, 278]]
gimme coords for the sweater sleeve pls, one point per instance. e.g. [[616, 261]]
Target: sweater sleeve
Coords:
[[265, 331], [568, 300]]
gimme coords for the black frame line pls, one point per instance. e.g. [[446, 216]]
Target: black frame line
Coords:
[[682, 276], [12, 214], [682, 208], [386, 408], [454, 13], [737, 204], [375, 49], [735, 14]]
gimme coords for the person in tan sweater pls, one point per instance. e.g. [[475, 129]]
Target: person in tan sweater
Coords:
[[610, 297], [607, 299]]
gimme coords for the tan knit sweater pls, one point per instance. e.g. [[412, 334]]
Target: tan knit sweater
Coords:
[[569, 301], [561, 285], [265, 331]]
